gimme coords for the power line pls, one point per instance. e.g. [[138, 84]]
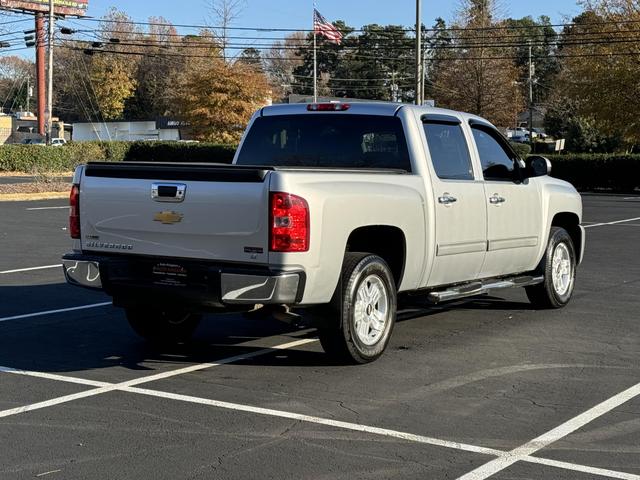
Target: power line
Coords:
[[80, 101], [211, 47], [18, 92], [447, 29], [545, 37], [14, 49], [16, 21], [465, 58], [95, 95], [455, 44], [306, 47]]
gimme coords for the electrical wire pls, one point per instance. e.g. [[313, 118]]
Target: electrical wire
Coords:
[[15, 97], [95, 95], [447, 29], [373, 57], [306, 47]]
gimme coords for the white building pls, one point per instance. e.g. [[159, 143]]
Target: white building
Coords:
[[125, 131]]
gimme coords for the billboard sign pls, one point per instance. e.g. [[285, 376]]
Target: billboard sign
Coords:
[[62, 7]]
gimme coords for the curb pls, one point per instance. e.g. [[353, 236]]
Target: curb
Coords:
[[29, 197]]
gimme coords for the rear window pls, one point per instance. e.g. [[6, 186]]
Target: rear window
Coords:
[[326, 140]]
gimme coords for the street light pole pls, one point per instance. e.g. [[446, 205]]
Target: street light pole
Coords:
[[49, 112], [531, 69], [40, 73], [28, 93], [418, 52]]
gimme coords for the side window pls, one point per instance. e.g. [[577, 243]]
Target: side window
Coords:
[[449, 151], [498, 163]]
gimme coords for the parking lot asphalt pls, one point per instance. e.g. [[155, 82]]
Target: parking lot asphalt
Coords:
[[485, 388]]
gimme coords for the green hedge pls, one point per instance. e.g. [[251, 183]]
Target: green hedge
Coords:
[[38, 158], [618, 173], [522, 149], [180, 152]]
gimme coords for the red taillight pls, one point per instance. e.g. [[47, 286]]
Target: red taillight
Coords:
[[328, 107], [74, 214], [289, 223]]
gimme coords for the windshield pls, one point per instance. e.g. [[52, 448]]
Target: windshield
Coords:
[[326, 140]]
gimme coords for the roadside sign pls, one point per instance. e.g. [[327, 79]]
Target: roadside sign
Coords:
[[62, 7]]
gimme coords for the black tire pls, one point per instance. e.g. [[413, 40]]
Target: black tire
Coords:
[[162, 326], [340, 339], [546, 295]]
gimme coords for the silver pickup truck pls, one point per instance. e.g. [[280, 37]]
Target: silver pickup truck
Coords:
[[334, 210]]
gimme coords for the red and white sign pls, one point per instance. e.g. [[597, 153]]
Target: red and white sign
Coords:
[[77, 8]]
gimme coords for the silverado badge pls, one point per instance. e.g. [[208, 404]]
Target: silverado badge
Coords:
[[168, 217]]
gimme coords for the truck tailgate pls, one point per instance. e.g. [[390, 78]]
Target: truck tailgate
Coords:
[[205, 211]]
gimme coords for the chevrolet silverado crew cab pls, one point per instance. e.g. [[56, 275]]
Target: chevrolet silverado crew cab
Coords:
[[336, 210]]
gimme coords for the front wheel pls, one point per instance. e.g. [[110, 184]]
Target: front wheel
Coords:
[[365, 309], [559, 269], [162, 326]]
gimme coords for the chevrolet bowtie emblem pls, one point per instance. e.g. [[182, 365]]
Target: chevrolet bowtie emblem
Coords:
[[168, 218]]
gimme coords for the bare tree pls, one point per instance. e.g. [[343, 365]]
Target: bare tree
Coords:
[[282, 59], [222, 13], [479, 79]]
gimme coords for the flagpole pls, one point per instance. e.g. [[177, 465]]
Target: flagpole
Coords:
[[315, 57]]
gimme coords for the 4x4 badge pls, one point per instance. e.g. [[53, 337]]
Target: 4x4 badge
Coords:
[[168, 217]]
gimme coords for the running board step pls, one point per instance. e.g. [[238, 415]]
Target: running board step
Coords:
[[479, 288]]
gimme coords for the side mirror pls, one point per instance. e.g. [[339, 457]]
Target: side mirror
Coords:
[[537, 166]]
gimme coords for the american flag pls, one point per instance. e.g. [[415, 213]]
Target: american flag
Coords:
[[322, 27]]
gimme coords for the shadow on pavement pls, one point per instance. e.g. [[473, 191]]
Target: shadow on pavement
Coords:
[[100, 338]]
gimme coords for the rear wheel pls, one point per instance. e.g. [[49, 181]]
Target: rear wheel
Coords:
[[364, 310], [162, 326], [559, 269]]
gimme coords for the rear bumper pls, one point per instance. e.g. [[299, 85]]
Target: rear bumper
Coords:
[[134, 280]]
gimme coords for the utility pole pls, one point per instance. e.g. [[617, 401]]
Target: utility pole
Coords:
[[40, 72], [50, 74], [28, 93], [423, 72], [418, 52], [531, 70]]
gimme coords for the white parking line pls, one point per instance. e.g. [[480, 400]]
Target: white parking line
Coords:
[[110, 387], [381, 431], [410, 437], [317, 420], [47, 208], [491, 468], [52, 312], [612, 223], [602, 472], [52, 376], [31, 269]]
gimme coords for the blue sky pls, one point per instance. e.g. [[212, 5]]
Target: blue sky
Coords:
[[297, 13]]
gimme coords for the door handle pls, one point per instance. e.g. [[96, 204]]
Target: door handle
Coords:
[[496, 199], [447, 199], [168, 192]]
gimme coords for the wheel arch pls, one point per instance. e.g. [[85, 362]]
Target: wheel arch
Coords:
[[571, 223], [386, 241]]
